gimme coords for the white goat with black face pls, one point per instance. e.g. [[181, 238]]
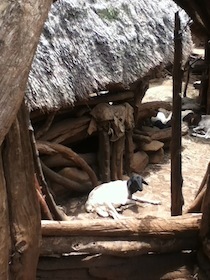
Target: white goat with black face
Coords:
[[107, 197]]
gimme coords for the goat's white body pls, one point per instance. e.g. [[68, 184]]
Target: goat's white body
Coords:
[[114, 192], [105, 198]]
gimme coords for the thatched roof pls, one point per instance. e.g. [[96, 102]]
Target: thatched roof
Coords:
[[86, 45]]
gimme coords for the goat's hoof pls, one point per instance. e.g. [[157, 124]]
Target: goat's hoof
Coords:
[[158, 202]]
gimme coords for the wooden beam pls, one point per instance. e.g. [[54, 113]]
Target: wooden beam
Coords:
[[148, 226], [116, 246], [105, 98]]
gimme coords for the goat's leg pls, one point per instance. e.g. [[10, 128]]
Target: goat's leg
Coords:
[[102, 212], [143, 200], [207, 135], [129, 203], [113, 212]]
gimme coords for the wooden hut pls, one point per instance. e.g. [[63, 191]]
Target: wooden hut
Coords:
[[90, 249]]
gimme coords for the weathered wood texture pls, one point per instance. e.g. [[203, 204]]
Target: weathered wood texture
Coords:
[[117, 149], [59, 161], [21, 25], [24, 211], [111, 97], [53, 148], [115, 246], [92, 267], [104, 155], [68, 130], [196, 205], [177, 200], [128, 151], [148, 226], [205, 222], [4, 226]]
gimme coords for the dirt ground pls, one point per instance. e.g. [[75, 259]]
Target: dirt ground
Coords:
[[195, 158]]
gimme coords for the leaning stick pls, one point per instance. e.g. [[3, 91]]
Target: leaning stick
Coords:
[[56, 212], [203, 183], [43, 205]]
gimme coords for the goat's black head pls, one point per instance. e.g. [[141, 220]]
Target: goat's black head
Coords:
[[135, 183]]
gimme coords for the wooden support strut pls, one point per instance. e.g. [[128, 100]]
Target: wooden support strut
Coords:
[[176, 172], [205, 81], [104, 155]]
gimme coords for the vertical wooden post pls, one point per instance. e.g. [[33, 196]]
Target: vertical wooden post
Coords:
[[104, 154], [128, 151], [176, 172], [205, 81], [129, 146], [24, 211], [205, 222]]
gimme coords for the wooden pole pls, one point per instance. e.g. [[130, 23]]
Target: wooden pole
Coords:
[[205, 222], [24, 210], [176, 172], [104, 155], [205, 87]]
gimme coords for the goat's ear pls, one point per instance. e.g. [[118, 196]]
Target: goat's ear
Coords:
[[129, 182], [144, 182]]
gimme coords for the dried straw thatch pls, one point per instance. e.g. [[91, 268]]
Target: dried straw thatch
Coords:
[[85, 45]]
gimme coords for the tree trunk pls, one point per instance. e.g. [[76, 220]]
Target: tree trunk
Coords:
[[24, 211], [21, 26]]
